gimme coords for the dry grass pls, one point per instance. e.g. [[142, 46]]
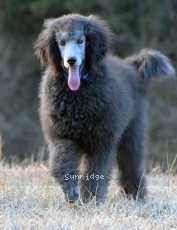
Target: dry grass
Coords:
[[30, 199]]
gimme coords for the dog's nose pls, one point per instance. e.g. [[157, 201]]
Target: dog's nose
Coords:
[[71, 61]]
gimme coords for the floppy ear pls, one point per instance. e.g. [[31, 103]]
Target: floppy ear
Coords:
[[97, 39], [46, 47]]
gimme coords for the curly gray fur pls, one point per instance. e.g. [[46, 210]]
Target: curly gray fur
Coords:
[[105, 120]]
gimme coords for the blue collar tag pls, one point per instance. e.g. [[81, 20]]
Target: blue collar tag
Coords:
[[85, 76]]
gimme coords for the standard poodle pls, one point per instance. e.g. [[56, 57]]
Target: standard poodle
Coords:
[[93, 107]]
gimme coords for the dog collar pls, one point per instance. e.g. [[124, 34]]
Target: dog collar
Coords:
[[84, 76]]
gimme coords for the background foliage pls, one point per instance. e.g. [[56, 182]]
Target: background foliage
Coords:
[[136, 24]]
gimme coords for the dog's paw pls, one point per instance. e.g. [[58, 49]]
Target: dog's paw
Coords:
[[134, 191], [72, 194]]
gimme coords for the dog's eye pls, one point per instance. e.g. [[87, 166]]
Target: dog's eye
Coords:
[[62, 42], [80, 41]]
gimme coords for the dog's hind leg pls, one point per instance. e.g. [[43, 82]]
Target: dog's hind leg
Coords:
[[97, 174], [130, 159], [64, 159]]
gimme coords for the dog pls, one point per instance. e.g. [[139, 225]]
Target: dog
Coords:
[[93, 107]]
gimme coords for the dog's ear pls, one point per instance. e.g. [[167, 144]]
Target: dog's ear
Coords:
[[46, 47], [97, 37]]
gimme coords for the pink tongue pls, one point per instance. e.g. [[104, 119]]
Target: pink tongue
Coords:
[[73, 78]]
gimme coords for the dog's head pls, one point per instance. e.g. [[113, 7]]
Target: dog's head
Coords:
[[72, 44]]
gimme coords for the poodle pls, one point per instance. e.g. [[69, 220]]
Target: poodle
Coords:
[[93, 107]]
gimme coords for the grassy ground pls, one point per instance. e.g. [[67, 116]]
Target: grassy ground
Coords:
[[30, 199]]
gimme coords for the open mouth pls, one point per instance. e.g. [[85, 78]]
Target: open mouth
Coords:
[[74, 76]]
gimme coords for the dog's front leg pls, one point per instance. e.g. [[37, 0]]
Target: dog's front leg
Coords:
[[64, 157], [96, 178]]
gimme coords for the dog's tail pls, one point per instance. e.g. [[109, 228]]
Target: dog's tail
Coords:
[[151, 64]]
